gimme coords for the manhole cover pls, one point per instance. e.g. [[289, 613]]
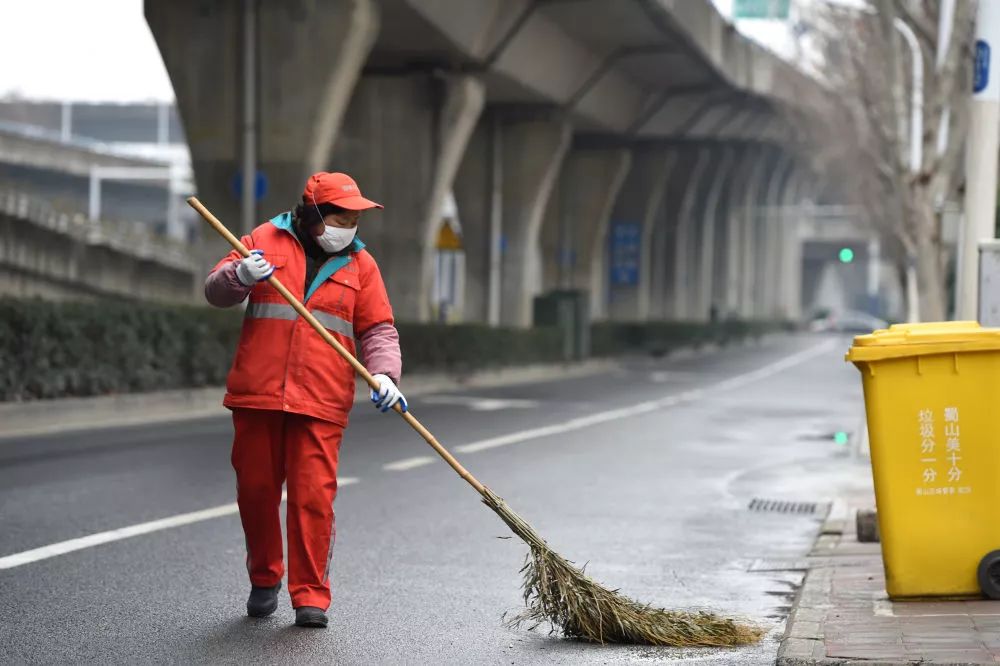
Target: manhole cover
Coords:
[[785, 506]]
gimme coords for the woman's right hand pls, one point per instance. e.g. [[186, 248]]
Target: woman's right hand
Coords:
[[254, 268]]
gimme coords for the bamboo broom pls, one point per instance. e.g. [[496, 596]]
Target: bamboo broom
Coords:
[[555, 591]]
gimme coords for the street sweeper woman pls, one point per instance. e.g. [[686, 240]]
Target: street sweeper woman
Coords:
[[290, 394]]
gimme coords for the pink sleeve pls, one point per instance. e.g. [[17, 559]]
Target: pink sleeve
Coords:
[[223, 289], [380, 350]]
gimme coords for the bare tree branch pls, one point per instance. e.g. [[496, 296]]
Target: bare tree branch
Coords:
[[922, 24]]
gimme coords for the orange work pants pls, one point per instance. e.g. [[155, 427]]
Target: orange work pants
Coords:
[[271, 447]]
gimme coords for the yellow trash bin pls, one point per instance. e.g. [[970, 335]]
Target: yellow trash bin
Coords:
[[932, 397]]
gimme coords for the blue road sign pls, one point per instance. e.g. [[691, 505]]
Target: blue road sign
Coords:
[[626, 239], [259, 189], [981, 68]]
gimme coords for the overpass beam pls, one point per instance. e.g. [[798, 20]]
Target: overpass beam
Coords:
[[641, 200]]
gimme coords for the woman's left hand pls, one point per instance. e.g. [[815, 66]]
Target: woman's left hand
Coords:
[[387, 395]]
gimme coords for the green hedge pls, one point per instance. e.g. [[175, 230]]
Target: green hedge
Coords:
[[465, 347], [615, 338], [50, 350]]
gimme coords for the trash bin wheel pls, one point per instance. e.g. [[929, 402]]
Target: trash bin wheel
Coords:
[[989, 575]]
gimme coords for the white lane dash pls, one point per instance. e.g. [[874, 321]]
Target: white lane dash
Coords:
[[100, 538], [408, 463], [648, 406]]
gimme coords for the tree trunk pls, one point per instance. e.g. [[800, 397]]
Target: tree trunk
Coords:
[[930, 271]]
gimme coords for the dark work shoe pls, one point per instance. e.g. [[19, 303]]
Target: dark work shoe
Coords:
[[310, 616], [263, 600]]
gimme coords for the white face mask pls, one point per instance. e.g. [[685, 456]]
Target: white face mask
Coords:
[[335, 239]]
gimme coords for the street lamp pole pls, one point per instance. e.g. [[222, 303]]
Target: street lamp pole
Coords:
[[248, 199], [981, 159]]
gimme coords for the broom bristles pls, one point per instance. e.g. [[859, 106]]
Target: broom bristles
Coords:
[[557, 592]]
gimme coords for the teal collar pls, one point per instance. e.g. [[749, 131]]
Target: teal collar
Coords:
[[333, 264], [283, 221]]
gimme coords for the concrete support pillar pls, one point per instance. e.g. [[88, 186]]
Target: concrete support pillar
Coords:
[[660, 263], [641, 201], [533, 154], [710, 223], [751, 238], [575, 229], [307, 65], [403, 139], [763, 252], [667, 233], [790, 304], [464, 98], [724, 230], [473, 189], [735, 229], [775, 246], [686, 239]]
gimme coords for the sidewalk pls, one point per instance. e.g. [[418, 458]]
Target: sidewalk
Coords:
[[843, 616]]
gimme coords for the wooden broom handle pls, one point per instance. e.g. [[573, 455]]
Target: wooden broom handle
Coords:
[[333, 342]]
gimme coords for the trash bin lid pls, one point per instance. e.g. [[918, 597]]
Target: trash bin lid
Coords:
[[902, 340]]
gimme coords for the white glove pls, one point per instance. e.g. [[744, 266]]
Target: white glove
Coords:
[[254, 268], [387, 395]]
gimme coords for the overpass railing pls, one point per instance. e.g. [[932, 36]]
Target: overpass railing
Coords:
[[134, 239]]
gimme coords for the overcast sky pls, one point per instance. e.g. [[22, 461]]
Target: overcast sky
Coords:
[[102, 50], [79, 50]]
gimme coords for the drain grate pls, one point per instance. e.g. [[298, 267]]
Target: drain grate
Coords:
[[784, 506]]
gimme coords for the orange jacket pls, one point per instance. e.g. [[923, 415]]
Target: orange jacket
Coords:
[[281, 363]]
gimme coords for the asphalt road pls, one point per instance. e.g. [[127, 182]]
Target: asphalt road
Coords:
[[656, 502]]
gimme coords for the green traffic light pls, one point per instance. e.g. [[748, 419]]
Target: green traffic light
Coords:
[[846, 255], [840, 437]]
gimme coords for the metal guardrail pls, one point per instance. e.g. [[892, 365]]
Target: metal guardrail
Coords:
[[129, 238]]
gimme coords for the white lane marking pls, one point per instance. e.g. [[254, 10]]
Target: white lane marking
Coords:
[[408, 463], [91, 540], [649, 406], [481, 404]]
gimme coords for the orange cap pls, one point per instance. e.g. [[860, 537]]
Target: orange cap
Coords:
[[338, 189]]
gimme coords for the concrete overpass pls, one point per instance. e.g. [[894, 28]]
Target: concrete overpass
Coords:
[[51, 254], [50, 247], [549, 120], [47, 164]]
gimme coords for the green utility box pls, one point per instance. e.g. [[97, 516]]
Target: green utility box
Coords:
[[569, 311]]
